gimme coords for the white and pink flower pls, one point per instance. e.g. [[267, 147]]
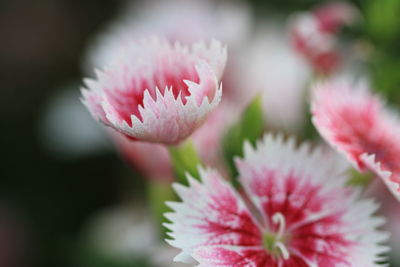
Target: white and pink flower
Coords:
[[156, 91], [357, 124], [314, 34], [298, 213]]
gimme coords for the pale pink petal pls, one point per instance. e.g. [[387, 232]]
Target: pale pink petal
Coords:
[[93, 99], [211, 213], [356, 123], [158, 92], [152, 160], [306, 189]]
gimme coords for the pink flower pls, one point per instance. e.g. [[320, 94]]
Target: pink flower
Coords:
[[334, 15], [316, 46], [314, 34], [356, 123], [301, 215], [155, 91]]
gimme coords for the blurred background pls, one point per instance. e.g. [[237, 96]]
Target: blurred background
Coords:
[[66, 196]]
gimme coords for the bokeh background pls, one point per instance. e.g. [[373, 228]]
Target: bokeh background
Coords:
[[60, 178]]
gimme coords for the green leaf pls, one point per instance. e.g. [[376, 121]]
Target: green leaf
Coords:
[[383, 17], [185, 160], [250, 127]]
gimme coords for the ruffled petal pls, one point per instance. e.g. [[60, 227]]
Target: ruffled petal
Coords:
[[211, 213], [356, 123]]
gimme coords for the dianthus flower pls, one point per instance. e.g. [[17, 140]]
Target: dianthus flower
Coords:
[[301, 214], [357, 124], [314, 34], [156, 91]]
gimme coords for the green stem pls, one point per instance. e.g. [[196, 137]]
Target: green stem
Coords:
[[160, 191], [185, 160]]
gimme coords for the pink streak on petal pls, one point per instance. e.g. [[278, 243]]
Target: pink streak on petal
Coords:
[[228, 256], [212, 213]]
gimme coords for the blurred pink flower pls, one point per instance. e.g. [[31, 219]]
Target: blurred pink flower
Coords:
[[155, 91], [357, 124], [302, 214], [332, 16], [314, 35]]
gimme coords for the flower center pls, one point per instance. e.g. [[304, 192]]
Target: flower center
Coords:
[[274, 243]]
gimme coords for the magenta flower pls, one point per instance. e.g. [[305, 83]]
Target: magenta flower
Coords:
[[156, 91], [356, 123], [301, 215]]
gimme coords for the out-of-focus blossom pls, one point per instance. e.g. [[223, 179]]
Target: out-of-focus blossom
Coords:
[[121, 232], [357, 124], [332, 16], [66, 128], [314, 35], [303, 214], [156, 91], [185, 21], [127, 234], [275, 71]]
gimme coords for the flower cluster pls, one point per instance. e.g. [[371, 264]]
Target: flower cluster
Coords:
[[284, 204]]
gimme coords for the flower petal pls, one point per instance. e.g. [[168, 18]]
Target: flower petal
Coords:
[[228, 256], [356, 123], [211, 213]]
